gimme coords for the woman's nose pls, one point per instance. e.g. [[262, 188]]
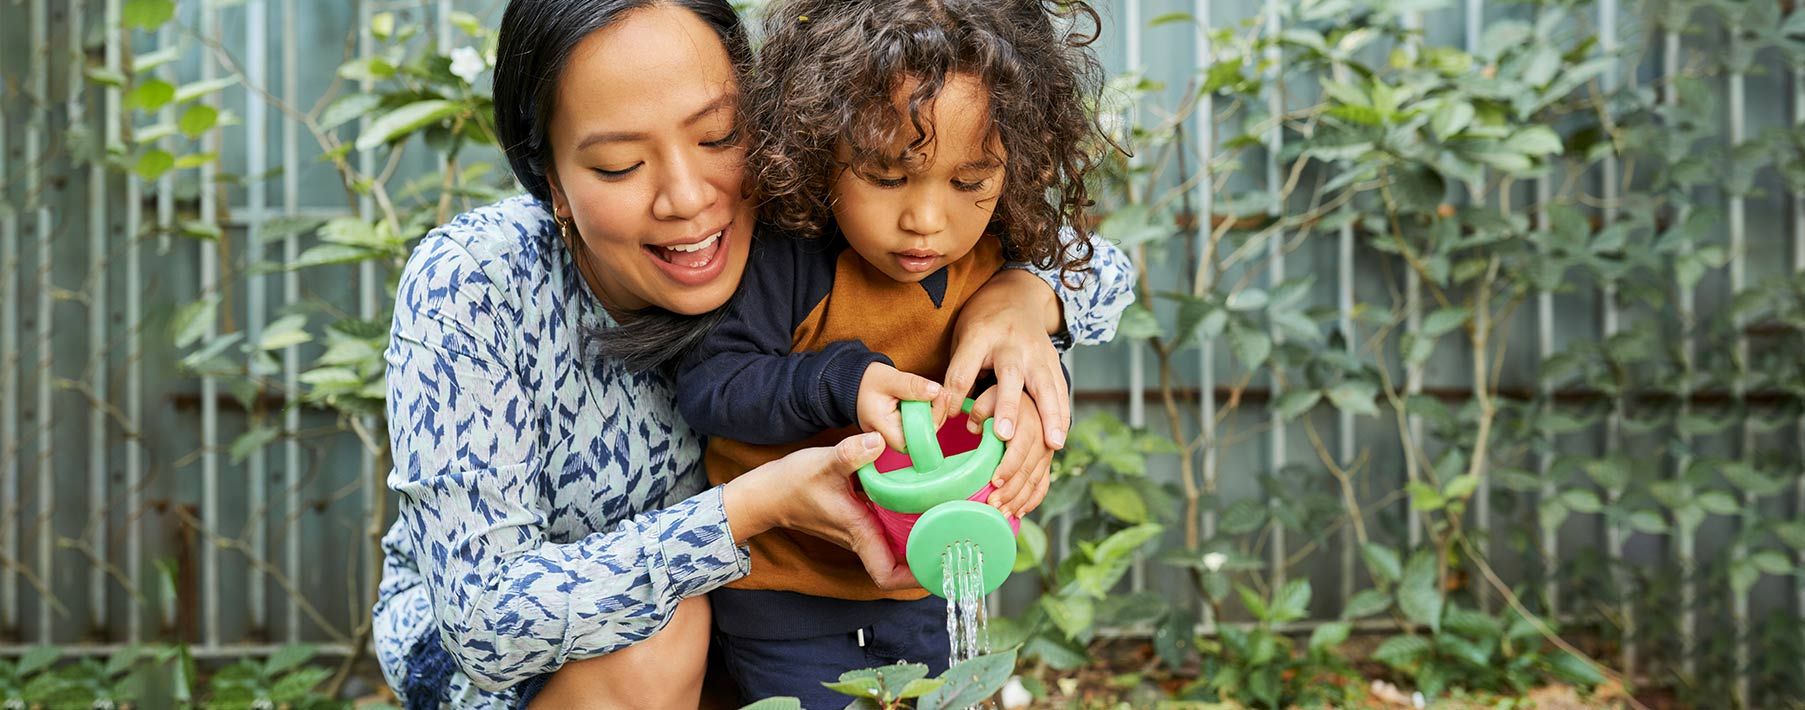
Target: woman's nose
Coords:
[[685, 190]]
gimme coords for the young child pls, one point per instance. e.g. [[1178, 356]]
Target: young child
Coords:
[[906, 150]]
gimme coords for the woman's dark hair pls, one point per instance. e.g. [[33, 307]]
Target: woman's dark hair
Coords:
[[536, 41], [829, 68]]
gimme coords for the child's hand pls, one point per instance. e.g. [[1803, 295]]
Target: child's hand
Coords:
[[1023, 476], [882, 388]]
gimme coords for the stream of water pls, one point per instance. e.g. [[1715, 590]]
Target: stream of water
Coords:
[[962, 584]]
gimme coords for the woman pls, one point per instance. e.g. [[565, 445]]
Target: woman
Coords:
[[551, 501]]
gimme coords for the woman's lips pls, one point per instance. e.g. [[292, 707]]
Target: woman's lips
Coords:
[[697, 263]]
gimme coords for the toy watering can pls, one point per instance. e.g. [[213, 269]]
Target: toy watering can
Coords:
[[929, 501]]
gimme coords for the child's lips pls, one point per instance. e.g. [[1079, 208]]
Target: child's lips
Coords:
[[917, 261]]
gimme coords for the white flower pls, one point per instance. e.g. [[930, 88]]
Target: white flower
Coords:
[[466, 62], [1016, 696], [1417, 699], [1214, 561]]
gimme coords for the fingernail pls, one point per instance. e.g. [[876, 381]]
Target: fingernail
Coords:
[[1005, 428], [998, 482], [871, 441], [1058, 437], [933, 391], [971, 425]]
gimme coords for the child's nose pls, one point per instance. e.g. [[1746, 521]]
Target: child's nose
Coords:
[[923, 215]]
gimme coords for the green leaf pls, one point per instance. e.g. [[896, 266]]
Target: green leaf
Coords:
[[784, 703], [289, 657], [191, 321], [1292, 601], [1030, 546], [1750, 479], [149, 95], [1574, 669], [287, 331], [1460, 487], [37, 659], [970, 682], [1248, 299], [299, 684], [348, 108], [401, 122], [325, 254], [190, 92], [858, 684], [1138, 323], [146, 14], [1120, 500], [1444, 320], [1719, 503], [1243, 516], [1419, 593], [251, 441], [1772, 562], [382, 25], [1330, 635], [153, 163], [1297, 402], [1170, 18], [1071, 614], [1366, 603], [1250, 346], [1451, 117], [197, 119], [1581, 500], [920, 687], [195, 160], [1648, 521], [1402, 652], [1381, 562], [1536, 140], [1355, 396]]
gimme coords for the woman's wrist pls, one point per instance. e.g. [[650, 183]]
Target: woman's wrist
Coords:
[[752, 503]]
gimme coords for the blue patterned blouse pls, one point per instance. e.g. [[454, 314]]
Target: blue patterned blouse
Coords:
[[552, 505]]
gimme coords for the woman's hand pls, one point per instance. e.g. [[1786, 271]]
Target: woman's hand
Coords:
[[811, 491], [1004, 328], [1021, 480]]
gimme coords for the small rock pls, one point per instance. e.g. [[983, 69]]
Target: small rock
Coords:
[[1014, 695]]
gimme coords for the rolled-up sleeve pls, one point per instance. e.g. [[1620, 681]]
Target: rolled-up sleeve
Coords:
[[1095, 299], [465, 434]]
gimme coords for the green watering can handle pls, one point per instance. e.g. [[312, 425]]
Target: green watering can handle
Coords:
[[919, 434], [932, 478]]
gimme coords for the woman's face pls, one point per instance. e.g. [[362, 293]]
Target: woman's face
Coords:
[[647, 162]]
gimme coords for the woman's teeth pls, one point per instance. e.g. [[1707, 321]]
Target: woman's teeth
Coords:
[[698, 246]]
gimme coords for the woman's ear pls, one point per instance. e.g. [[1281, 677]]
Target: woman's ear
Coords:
[[560, 201]]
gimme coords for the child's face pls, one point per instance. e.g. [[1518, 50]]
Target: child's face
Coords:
[[929, 208]]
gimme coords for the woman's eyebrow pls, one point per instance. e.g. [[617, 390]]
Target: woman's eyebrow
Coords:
[[722, 101]]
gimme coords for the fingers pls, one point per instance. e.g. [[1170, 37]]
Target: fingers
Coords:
[[1037, 493], [904, 385], [962, 373], [854, 452], [1051, 396], [889, 427], [885, 569], [981, 409], [1009, 399], [1015, 481]]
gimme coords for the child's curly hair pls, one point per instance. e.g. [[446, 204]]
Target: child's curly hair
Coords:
[[827, 73]]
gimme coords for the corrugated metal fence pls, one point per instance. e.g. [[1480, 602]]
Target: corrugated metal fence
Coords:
[[112, 464]]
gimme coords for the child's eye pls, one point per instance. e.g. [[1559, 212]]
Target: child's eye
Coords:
[[885, 182], [964, 186], [731, 139], [616, 174]]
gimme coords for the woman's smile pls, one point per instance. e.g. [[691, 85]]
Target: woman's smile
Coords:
[[694, 261]]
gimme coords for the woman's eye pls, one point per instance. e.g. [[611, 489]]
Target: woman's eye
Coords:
[[616, 174], [729, 140]]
